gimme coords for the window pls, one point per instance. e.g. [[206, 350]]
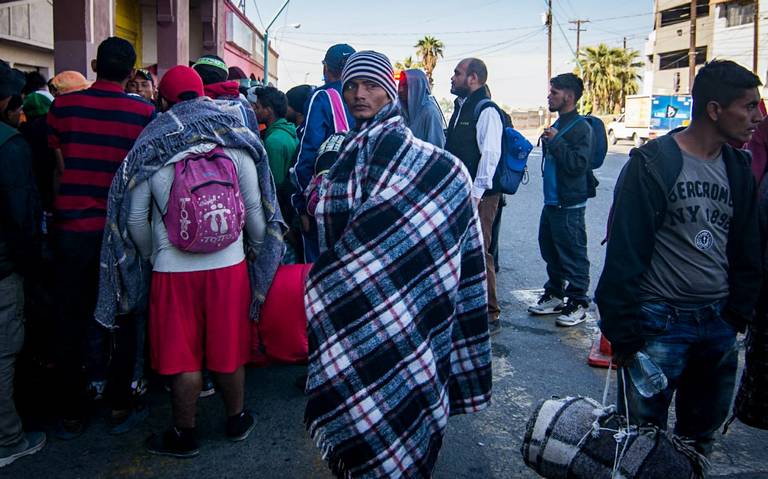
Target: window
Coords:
[[738, 13], [683, 13], [679, 58]]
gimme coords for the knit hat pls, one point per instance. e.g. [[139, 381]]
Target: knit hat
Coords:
[[212, 62], [69, 81], [373, 66], [337, 56], [36, 104], [179, 80]]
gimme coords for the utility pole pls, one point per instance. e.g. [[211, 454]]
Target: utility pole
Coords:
[[756, 37], [549, 55], [625, 43], [578, 30], [692, 48], [266, 42]]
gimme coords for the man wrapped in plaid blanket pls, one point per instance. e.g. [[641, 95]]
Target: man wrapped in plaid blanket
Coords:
[[396, 303]]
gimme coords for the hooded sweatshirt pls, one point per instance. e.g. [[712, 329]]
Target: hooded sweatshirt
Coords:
[[424, 117], [280, 141]]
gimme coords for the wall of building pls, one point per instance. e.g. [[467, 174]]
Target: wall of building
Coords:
[[736, 42], [26, 35], [675, 37]]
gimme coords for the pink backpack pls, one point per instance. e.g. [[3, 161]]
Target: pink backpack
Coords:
[[205, 211]]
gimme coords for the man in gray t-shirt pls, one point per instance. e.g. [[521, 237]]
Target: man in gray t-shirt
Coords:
[[689, 264], [682, 268]]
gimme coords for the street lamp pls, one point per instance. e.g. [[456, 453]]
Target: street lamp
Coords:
[[266, 40]]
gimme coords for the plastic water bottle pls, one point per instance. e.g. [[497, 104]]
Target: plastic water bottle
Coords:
[[647, 377]]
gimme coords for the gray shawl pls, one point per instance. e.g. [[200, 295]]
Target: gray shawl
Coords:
[[124, 275], [424, 117]]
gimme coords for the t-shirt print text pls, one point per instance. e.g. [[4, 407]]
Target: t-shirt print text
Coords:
[[696, 202]]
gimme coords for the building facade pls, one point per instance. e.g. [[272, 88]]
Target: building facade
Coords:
[[724, 30], [668, 45], [52, 36]]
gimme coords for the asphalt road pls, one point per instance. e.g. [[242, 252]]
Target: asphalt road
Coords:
[[533, 360]]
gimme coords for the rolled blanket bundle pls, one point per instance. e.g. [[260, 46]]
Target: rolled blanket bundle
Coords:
[[576, 437]]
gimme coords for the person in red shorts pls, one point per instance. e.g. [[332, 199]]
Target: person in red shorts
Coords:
[[195, 232]]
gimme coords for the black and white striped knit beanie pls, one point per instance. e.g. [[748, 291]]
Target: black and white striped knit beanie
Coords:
[[373, 66]]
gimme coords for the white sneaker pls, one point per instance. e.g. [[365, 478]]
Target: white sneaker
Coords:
[[572, 314], [547, 304]]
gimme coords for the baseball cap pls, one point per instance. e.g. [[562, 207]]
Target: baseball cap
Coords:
[[336, 56], [179, 80]]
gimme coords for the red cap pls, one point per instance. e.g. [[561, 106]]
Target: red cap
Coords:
[[180, 79]]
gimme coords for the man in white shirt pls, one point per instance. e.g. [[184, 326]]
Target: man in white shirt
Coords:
[[474, 136]]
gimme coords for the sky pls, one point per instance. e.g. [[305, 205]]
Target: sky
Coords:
[[509, 35]]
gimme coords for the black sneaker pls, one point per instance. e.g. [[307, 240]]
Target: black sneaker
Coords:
[[574, 312], [174, 443], [547, 304], [29, 444], [239, 427], [208, 388]]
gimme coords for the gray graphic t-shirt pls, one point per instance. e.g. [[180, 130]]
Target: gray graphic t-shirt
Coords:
[[689, 263]]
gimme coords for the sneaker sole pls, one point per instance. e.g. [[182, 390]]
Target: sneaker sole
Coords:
[[6, 461], [207, 393], [543, 312], [177, 455], [244, 436], [569, 323]]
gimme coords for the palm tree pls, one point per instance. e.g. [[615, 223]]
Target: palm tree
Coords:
[[609, 74], [429, 49], [407, 64]]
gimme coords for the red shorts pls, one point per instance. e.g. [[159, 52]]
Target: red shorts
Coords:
[[200, 314]]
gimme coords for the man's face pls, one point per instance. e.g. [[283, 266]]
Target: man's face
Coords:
[[740, 118], [557, 99], [364, 98], [460, 81], [262, 113], [132, 87], [145, 88], [402, 91]]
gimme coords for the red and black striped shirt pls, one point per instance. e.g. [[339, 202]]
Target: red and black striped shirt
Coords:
[[95, 129]]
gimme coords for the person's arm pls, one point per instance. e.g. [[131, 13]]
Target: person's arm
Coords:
[[631, 234], [572, 149], [745, 265], [317, 130], [489, 131], [139, 228], [255, 220], [19, 203]]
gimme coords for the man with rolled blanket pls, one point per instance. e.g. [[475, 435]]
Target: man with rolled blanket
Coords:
[[396, 303]]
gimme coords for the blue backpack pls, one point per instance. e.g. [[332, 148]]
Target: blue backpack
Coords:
[[515, 148], [599, 139]]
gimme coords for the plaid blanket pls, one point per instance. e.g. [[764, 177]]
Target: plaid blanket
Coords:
[[396, 304], [124, 276]]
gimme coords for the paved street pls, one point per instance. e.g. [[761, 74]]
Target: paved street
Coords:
[[533, 360]]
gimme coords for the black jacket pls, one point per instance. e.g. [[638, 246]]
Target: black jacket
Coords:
[[639, 209], [461, 135], [20, 213], [571, 152]]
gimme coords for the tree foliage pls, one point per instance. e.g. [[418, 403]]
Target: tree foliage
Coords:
[[429, 49], [409, 63], [609, 75]]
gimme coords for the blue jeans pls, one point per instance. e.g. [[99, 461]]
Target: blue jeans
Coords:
[[696, 349]]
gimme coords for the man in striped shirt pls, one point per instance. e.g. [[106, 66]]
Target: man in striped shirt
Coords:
[[91, 131]]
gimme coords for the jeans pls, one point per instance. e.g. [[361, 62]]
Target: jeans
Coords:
[[11, 341], [487, 208], [80, 341], [563, 245], [696, 349]]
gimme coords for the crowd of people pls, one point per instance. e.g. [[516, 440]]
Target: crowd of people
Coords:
[[144, 221]]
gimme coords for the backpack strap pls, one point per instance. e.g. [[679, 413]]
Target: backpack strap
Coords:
[[337, 109]]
